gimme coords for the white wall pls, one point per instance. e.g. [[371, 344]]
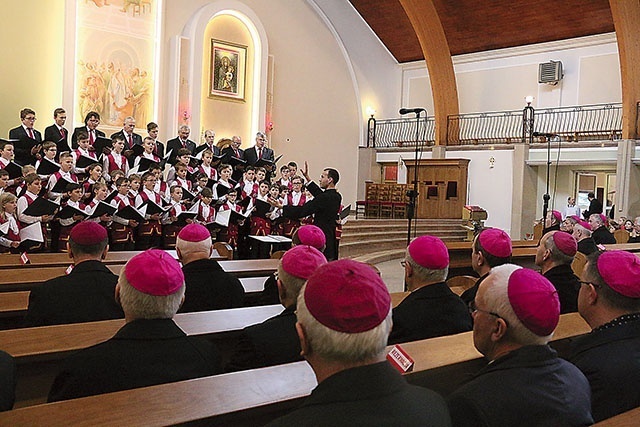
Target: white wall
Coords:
[[499, 80]]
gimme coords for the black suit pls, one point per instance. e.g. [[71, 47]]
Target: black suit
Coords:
[[159, 149], [602, 236], [530, 386], [324, 207], [215, 149], [142, 353], [587, 246], [237, 170], [8, 379], [24, 145], [428, 312], [272, 342], [52, 133], [84, 295], [175, 144], [137, 139], [74, 136], [251, 155], [595, 207], [610, 359], [567, 284], [370, 395], [210, 288]]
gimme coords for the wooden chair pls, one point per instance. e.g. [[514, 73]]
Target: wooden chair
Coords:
[[224, 249], [277, 254], [384, 197], [459, 284], [372, 206], [622, 236], [399, 199], [537, 232]]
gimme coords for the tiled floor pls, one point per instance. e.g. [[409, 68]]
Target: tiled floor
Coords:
[[392, 274]]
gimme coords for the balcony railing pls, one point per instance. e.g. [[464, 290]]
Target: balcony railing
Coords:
[[576, 123]]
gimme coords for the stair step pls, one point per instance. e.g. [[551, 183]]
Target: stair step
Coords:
[[400, 234]]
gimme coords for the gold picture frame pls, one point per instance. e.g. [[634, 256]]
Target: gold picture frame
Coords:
[[228, 70]]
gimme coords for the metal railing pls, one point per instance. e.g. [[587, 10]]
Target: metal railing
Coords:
[[400, 132], [576, 123]]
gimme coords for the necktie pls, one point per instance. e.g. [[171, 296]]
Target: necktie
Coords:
[[130, 141], [62, 132], [30, 133], [91, 137], [184, 144], [236, 151], [259, 153]]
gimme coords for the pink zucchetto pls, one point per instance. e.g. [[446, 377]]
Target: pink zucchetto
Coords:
[[347, 296], [429, 252], [313, 236], [557, 215], [534, 300], [496, 242], [621, 271], [88, 233], [302, 260], [194, 233], [565, 243], [585, 224], [154, 272], [604, 219]]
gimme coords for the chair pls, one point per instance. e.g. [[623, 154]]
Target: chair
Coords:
[[459, 284], [361, 207], [579, 261], [224, 249], [277, 254], [622, 236], [384, 197], [399, 199], [372, 206]]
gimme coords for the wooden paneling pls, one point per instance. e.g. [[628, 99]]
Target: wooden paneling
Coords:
[[476, 26]]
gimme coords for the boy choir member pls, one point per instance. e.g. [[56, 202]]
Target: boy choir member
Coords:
[[150, 231], [231, 233], [10, 240], [149, 146], [50, 152], [152, 130], [94, 175], [295, 197], [135, 181], [205, 168], [33, 186], [122, 230], [248, 184], [224, 180], [180, 178], [4, 180], [260, 223], [285, 177], [6, 156], [161, 187], [206, 212], [26, 170], [83, 149], [57, 132], [99, 192], [74, 193], [115, 160], [29, 139], [183, 157], [66, 166], [170, 224]]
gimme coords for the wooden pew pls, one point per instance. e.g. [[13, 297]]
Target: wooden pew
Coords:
[[626, 419], [256, 396]]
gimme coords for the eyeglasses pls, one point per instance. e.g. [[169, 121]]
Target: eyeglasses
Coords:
[[595, 285], [275, 275], [474, 309], [403, 263]]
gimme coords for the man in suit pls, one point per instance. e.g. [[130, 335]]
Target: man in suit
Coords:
[[324, 207], [29, 140], [209, 142], [554, 256], [8, 380], [91, 122], [595, 206], [57, 132], [344, 319], [582, 234], [515, 313], [234, 150], [209, 287], [432, 309], [275, 340], [599, 230], [150, 348], [181, 141], [85, 294], [609, 356], [152, 130], [260, 152], [129, 137]]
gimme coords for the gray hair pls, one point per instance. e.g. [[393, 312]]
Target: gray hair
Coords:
[[184, 127], [341, 346], [261, 135], [139, 305], [582, 230], [556, 254], [496, 299], [291, 284], [188, 248], [424, 274], [597, 218], [210, 131]]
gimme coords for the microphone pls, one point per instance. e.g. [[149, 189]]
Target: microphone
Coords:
[[404, 111], [546, 135]]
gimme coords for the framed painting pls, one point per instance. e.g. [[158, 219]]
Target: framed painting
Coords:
[[228, 70]]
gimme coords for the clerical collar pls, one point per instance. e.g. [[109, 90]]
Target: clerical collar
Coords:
[[619, 321]]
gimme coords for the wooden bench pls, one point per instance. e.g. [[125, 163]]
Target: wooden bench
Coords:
[[256, 396], [626, 419]]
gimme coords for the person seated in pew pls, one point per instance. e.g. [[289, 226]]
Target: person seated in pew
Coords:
[[431, 309], [554, 256], [609, 356], [600, 230], [491, 247], [525, 383], [8, 379], [209, 287], [275, 340], [582, 234], [150, 348], [309, 235], [344, 319], [85, 294]]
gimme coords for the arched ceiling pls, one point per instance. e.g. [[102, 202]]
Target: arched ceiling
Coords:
[[476, 26]]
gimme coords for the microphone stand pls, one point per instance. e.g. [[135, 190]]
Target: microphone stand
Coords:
[[413, 194]]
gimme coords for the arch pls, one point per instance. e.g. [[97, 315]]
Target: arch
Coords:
[[194, 31]]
